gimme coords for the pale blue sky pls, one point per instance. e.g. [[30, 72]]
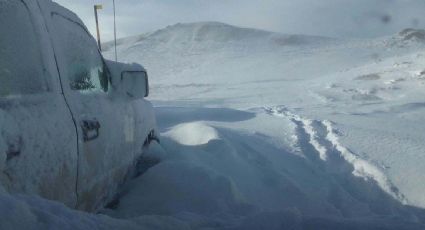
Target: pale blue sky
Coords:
[[333, 18]]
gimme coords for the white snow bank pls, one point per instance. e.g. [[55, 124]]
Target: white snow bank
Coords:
[[32, 213], [196, 133], [20, 212]]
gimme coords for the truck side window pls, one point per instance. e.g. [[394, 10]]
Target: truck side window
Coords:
[[21, 68], [84, 64]]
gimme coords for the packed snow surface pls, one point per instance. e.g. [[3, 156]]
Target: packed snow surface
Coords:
[[269, 131]]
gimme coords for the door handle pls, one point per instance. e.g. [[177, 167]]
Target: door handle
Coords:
[[90, 129]]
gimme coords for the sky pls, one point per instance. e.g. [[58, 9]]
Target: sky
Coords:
[[331, 18]]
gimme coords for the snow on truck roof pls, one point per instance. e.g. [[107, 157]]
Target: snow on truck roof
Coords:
[[56, 8]]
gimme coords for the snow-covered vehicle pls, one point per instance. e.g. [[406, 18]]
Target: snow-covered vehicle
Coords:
[[72, 125]]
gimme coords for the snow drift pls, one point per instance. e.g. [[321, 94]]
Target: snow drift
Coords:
[[192, 134]]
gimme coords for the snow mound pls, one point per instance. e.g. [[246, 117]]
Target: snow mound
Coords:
[[196, 133]]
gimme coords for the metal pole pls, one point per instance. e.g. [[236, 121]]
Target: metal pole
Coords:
[[97, 27], [115, 33]]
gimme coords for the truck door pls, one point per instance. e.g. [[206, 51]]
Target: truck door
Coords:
[[38, 142], [105, 123]]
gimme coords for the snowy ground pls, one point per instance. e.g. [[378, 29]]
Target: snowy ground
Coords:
[[329, 128], [269, 131], [372, 90]]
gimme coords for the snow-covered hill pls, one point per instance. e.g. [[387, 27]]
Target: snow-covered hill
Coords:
[[185, 61], [182, 50]]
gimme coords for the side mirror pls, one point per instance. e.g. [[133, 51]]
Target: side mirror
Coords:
[[135, 83]]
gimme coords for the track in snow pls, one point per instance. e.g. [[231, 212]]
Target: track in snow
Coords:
[[319, 142]]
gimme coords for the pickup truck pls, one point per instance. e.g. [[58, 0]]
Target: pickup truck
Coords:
[[72, 124]]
